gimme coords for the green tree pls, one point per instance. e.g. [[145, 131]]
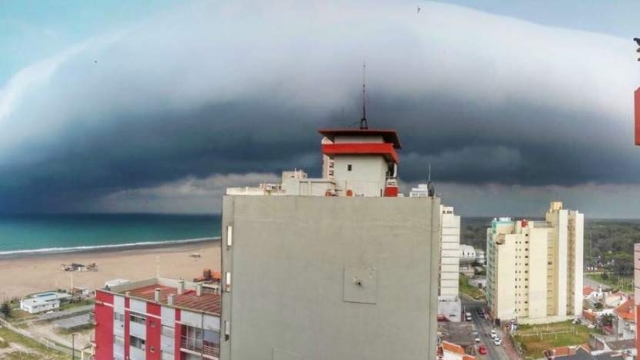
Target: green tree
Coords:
[[5, 309]]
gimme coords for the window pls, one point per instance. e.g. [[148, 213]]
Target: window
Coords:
[[349, 167], [118, 316], [200, 340], [168, 331], [136, 342], [137, 318], [118, 340]]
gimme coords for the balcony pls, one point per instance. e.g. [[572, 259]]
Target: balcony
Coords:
[[210, 350]]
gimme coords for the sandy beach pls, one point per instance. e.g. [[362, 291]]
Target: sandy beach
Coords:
[[22, 276]]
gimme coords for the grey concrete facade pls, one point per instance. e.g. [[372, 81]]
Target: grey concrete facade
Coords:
[[337, 278]]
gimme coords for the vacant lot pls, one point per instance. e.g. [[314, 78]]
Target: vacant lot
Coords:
[[534, 339]]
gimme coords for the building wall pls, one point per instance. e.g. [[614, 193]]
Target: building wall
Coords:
[[537, 279], [576, 263], [450, 260], [498, 227], [154, 331], [104, 326], [295, 264], [505, 279], [367, 175], [636, 290]]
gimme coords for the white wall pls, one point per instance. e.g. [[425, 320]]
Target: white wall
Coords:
[[367, 176]]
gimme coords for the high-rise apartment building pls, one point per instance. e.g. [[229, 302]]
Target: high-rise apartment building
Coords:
[[337, 268], [534, 268], [449, 305]]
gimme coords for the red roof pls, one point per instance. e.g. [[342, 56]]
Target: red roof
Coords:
[[587, 290], [206, 302], [454, 348], [389, 136], [627, 310]]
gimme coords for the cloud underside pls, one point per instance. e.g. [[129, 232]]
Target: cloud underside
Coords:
[[239, 89]]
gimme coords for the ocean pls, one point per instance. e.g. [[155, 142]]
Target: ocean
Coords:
[[41, 234]]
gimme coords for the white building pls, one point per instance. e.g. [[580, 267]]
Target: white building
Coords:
[[449, 305], [534, 268], [43, 302]]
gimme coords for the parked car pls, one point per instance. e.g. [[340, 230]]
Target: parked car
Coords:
[[482, 350], [497, 341]]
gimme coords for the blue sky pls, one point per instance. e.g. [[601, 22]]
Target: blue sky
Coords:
[[514, 103], [32, 30], [618, 18]]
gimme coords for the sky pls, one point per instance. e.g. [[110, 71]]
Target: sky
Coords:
[[159, 106]]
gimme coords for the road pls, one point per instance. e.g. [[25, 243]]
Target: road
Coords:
[[484, 327], [594, 284]]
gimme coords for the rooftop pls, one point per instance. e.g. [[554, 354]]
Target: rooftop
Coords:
[[626, 310], [208, 301]]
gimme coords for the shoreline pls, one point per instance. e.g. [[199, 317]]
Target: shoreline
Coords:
[[47, 252], [27, 274]]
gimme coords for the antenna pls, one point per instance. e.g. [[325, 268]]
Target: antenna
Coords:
[[363, 121], [429, 179]]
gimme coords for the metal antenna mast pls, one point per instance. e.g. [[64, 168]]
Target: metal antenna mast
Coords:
[[363, 121]]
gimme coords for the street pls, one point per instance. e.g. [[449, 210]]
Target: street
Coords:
[[484, 327], [594, 284]]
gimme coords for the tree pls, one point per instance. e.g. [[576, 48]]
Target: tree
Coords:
[[5, 309], [607, 320]]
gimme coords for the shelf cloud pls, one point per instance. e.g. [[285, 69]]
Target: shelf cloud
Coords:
[[214, 89]]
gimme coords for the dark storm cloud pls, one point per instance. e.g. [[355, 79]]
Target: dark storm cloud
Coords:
[[239, 88]]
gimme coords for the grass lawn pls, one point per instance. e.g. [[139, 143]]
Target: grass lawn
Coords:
[[470, 290], [537, 338], [623, 283], [71, 305]]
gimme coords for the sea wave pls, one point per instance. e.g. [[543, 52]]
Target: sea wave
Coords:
[[111, 247]]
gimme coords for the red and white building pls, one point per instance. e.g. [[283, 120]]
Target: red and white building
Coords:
[[157, 319], [636, 273], [356, 163]]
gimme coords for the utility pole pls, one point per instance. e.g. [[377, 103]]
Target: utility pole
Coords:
[[73, 346]]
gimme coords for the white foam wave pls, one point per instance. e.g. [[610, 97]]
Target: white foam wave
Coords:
[[59, 250]]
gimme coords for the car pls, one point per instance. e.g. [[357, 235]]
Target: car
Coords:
[[482, 350], [497, 341], [481, 315], [475, 332], [478, 340]]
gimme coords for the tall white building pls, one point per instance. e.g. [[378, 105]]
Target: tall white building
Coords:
[[449, 305], [534, 268]]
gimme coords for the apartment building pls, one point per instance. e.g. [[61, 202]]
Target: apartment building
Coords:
[[339, 267], [535, 268], [157, 319]]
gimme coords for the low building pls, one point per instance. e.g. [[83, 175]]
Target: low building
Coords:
[[42, 302], [157, 319], [451, 351], [625, 323]]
